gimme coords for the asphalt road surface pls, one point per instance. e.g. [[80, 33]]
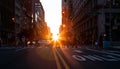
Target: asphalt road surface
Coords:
[[49, 57]]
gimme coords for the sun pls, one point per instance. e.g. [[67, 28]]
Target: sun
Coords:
[[55, 37]]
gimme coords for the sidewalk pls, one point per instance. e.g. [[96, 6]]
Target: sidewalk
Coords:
[[6, 55]]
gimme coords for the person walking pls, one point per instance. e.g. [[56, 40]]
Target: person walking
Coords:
[[96, 44]]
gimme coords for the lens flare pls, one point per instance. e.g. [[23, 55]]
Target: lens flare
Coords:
[[55, 37]]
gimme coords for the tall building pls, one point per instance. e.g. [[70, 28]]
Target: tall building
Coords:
[[7, 25], [40, 26], [15, 20], [95, 20], [66, 27]]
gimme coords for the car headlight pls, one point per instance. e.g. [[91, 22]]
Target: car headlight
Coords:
[[33, 42], [28, 42]]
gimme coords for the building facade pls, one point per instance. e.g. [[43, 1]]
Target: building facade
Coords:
[[21, 18], [39, 21], [66, 27], [95, 20], [7, 25], [16, 19]]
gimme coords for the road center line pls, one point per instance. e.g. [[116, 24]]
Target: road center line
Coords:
[[63, 61], [56, 59]]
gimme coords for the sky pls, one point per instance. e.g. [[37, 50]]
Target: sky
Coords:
[[52, 14]]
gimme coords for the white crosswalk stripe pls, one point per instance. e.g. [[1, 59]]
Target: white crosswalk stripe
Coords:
[[92, 58], [78, 51], [101, 56], [104, 52]]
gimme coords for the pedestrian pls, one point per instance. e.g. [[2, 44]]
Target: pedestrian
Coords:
[[96, 44]]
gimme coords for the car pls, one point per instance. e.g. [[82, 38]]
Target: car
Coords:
[[44, 42], [31, 42]]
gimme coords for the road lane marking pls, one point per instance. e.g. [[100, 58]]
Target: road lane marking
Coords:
[[96, 58], [117, 59], [63, 61], [114, 52], [56, 59], [110, 58], [91, 57], [104, 52], [79, 58], [78, 51]]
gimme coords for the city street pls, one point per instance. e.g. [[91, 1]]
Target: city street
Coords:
[[48, 57], [59, 34]]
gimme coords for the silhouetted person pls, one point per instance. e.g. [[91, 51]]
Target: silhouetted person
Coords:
[[96, 44]]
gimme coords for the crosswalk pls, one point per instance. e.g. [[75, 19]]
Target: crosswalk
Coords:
[[81, 54], [96, 55], [89, 54]]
